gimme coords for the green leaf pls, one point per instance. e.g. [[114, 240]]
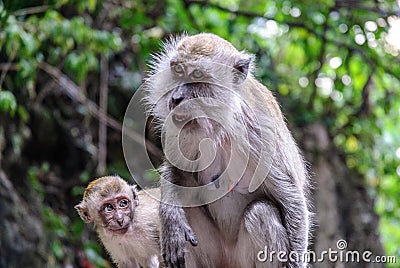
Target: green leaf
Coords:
[[8, 102], [91, 4], [27, 67], [23, 114], [29, 44], [57, 249]]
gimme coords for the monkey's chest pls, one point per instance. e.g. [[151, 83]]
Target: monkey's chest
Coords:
[[227, 213]]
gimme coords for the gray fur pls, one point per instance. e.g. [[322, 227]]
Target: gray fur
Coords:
[[270, 211]]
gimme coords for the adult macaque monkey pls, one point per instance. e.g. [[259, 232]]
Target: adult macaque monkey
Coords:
[[252, 194], [126, 221]]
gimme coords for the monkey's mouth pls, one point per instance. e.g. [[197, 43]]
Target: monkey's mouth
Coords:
[[119, 231], [181, 119]]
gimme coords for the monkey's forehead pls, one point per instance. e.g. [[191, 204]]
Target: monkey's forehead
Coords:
[[204, 45], [105, 186]]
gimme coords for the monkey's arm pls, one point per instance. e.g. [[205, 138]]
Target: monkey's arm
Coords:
[[294, 213], [262, 221], [175, 230], [262, 230]]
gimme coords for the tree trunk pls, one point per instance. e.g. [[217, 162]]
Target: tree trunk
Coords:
[[344, 211], [22, 238]]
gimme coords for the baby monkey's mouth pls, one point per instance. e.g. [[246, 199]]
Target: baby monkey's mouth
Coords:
[[119, 231]]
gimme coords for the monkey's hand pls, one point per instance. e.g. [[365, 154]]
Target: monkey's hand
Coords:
[[173, 244]]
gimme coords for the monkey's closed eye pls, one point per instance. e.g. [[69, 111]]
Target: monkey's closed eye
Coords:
[[123, 203], [197, 74], [108, 207]]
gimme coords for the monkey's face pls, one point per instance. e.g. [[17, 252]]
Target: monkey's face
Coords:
[[202, 96], [116, 213], [196, 83]]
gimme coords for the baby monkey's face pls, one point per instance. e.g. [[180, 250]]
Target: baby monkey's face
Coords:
[[116, 213]]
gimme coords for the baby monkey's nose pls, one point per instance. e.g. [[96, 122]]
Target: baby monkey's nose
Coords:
[[120, 221]]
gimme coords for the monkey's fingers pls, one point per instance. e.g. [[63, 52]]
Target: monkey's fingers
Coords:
[[174, 256], [191, 237], [177, 259], [181, 261]]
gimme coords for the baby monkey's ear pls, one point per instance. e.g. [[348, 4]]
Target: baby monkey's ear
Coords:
[[135, 200], [83, 212]]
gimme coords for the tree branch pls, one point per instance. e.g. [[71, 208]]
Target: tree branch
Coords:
[[321, 63], [103, 101], [6, 67], [31, 10], [251, 15], [297, 24], [74, 92], [365, 107]]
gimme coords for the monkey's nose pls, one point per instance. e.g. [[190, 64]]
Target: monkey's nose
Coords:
[[177, 96], [176, 99], [120, 221]]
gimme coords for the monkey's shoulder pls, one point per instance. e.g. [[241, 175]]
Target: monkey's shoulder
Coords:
[[150, 193]]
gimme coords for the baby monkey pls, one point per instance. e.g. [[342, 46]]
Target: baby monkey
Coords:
[[126, 221]]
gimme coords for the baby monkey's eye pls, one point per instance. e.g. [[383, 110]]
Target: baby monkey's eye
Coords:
[[178, 69], [123, 203], [197, 74], [108, 207]]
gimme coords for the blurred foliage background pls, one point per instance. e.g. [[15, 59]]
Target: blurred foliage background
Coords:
[[64, 63]]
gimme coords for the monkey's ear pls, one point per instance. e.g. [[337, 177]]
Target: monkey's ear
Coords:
[[135, 195], [83, 212], [242, 66]]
